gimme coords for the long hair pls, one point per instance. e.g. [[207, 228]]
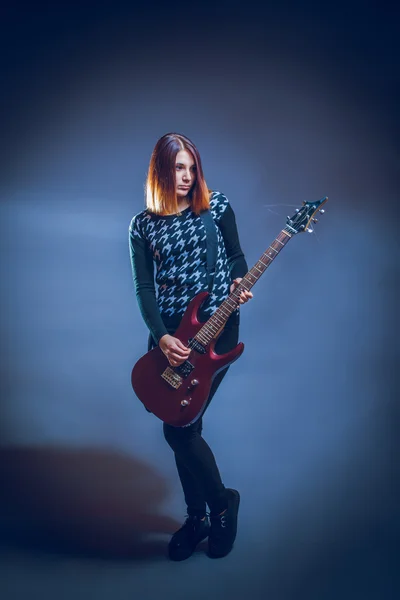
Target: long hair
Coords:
[[160, 185]]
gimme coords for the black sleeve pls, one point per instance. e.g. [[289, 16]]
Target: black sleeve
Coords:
[[236, 260], [143, 278]]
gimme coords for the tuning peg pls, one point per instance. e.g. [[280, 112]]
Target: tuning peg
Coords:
[[322, 211], [309, 230], [315, 220], [297, 210]]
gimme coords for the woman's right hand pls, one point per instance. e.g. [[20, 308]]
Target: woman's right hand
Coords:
[[175, 351]]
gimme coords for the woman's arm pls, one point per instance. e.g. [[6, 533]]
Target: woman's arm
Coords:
[[236, 260], [143, 278]]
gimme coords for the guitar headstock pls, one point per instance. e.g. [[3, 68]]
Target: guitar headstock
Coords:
[[303, 216]]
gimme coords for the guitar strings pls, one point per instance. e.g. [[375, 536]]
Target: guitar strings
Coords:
[[279, 215], [290, 205], [236, 293], [239, 288], [268, 207]]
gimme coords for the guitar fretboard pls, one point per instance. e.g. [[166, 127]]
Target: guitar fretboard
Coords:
[[217, 321]]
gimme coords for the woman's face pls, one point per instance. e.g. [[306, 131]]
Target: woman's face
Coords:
[[185, 173]]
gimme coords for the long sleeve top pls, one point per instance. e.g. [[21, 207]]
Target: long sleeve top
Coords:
[[171, 252]]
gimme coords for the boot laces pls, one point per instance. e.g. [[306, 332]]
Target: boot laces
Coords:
[[221, 520], [192, 520]]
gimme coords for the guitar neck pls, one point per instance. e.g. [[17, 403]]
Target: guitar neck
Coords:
[[217, 321]]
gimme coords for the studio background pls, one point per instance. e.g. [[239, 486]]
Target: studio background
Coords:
[[285, 104]]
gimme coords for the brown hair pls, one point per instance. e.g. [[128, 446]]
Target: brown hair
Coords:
[[160, 184]]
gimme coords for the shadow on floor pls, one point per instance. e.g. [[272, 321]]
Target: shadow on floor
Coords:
[[91, 502]]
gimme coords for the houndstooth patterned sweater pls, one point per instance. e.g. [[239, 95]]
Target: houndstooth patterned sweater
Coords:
[[176, 245]]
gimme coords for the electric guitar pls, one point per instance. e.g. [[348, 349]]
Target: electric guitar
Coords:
[[178, 395]]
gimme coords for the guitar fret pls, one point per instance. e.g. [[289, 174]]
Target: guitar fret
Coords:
[[264, 264], [218, 320]]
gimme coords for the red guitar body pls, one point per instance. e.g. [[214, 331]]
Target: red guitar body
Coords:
[[174, 396], [178, 395]]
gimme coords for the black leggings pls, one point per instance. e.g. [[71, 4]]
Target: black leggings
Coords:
[[197, 469]]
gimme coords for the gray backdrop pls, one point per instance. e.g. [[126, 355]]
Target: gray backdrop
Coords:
[[285, 104]]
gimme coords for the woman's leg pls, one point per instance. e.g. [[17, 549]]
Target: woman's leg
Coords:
[[200, 473], [192, 488], [197, 468]]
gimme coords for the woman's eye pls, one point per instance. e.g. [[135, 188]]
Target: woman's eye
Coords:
[[179, 167]]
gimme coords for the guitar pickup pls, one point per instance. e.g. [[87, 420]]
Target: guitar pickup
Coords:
[[195, 345], [185, 368]]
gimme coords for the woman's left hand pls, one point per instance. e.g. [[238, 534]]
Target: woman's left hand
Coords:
[[245, 294]]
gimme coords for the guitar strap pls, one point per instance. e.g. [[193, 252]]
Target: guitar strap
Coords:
[[212, 245]]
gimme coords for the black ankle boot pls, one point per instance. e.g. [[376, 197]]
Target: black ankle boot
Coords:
[[183, 543], [224, 527]]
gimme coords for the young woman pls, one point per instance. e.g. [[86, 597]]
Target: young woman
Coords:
[[171, 234]]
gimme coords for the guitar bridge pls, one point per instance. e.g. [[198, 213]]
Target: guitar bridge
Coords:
[[171, 377], [175, 376]]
